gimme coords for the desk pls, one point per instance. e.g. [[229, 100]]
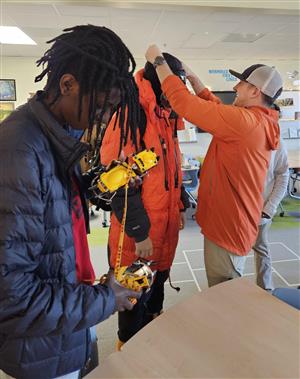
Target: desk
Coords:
[[189, 168], [232, 330]]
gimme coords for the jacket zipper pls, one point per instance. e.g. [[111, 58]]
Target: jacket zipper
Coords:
[[164, 149], [176, 167], [175, 153]]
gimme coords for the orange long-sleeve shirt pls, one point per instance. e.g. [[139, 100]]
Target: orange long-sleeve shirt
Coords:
[[235, 166]]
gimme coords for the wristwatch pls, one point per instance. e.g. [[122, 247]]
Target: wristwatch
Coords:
[[264, 215], [158, 61]]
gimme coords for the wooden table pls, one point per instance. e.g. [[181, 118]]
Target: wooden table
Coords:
[[232, 330]]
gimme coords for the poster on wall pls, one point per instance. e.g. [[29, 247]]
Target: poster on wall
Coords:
[[7, 90], [285, 102], [5, 110]]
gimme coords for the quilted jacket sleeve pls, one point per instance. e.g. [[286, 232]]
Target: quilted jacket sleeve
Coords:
[[30, 305]]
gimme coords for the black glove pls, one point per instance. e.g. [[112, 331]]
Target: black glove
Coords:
[[88, 176], [122, 294], [87, 179], [100, 203], [137, 221], [264, 215]]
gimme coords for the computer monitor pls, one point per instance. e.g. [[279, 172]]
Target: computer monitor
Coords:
[[226, 97]]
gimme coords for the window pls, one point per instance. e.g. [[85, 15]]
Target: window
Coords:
[[7, 90]]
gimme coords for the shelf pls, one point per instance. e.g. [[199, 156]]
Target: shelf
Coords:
[[288, 119]]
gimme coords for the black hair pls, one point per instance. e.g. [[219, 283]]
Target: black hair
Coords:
[[99, 61], [268, 100], [151, 75], [276, 107]]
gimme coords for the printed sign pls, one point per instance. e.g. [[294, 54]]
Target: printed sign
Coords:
[[225, 73]]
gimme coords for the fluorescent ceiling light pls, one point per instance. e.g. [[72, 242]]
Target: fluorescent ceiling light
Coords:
[[15, 36]]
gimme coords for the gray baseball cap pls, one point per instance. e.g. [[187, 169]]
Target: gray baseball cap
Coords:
[[266, 78]]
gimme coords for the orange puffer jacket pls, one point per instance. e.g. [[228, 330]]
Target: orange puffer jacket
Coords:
[[161, 188]]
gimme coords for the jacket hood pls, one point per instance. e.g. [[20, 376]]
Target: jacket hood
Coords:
[[148, 100], [146, 94], [271, 126], [67, 149]]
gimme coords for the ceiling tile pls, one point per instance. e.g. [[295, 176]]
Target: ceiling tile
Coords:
[[242, 37], [50, 21], [230, 16], [290, 29], [138, 20], [42, 34], [190, 32], [82, 11], [27, 9], [198, 41], [257, 27], [276, 19], [6, 20]]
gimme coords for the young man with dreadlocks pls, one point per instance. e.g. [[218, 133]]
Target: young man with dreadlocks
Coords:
[[153, 215], [47, 300]]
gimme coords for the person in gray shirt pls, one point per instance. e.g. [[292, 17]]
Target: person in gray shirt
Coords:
[[274, 191]]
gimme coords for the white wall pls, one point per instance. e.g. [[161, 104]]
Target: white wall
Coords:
[[217, 82], [24, 71]]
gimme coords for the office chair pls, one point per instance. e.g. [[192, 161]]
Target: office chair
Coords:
[[190, 181], [294, 178], [281, 214]]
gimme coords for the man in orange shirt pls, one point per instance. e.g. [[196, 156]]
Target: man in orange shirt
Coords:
[[232, 177]]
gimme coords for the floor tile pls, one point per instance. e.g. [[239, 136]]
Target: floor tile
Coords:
[[290, 237], [249, 265], [181, 272], [195, 258], [179, 257], [172, 297], [280, 251], [99, 259], [290, 271], [201, 278], [277, 280]]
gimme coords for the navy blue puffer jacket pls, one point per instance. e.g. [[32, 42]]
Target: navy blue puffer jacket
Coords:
[[45, 314]]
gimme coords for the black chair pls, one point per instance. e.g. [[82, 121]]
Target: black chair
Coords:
[[294, 178], [190, 181]]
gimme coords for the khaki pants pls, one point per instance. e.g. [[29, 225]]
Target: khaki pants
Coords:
[[221, 264]]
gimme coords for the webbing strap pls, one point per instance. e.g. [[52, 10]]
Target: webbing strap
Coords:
[[122, 232]]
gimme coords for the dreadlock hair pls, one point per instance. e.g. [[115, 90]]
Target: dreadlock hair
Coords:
[[151, 75], [99, 61]]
